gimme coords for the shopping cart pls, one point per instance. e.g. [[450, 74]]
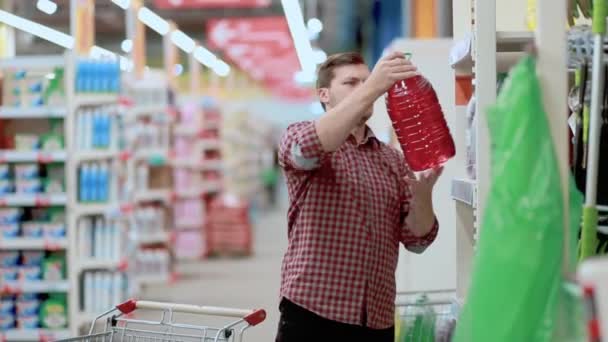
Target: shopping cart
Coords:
[[119, 325], [426, 315]]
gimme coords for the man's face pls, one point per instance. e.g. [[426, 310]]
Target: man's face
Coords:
[[346, 79]]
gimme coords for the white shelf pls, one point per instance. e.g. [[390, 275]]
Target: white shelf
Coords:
[[189, 225], [33, 244], [209, 144], [213, 165], [92, 99], [29, 335], [153, 195], [32, 112], [152, 239], [161, 153], [96, 264], [31, 200], [11, 156], [146, 110], [105, 209], [464, 190], [514, 41], [96, 155], [35, 286], [32, 62]]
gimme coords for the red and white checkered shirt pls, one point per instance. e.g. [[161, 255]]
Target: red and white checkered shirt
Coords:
[[346, 218]]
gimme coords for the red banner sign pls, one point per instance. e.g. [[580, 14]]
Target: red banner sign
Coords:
[[263, 48]]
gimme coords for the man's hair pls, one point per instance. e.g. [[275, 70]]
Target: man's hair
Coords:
[[326, 71]]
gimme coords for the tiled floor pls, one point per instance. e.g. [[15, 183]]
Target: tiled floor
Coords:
[[242, 283]]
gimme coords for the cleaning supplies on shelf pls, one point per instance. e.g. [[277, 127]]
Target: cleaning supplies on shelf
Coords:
[[54, 312], [154, 262], [149, 221], [95, 182], [94, 76], [54, 267], [419, 123], [102, 290], [33, 88], [95, 128], [100, 239]]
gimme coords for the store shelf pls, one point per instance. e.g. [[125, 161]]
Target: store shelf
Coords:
[[184, 225], [464, 190], [32, 112], [153, 195], [204, 165], [33, 62], [146, 110], [157, 156], [14, 287], [29, 335], [513, 41], [96, 155], [11, 156], [97, 264], [33, 244], [209, 144], [33, 200], [86, 99], [153, 239], [106, 209]]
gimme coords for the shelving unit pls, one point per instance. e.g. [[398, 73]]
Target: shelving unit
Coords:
[[149, 116], [483, 53], [50, 114], [198, 174]]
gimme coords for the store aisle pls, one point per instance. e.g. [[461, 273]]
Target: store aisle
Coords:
[[244, 283]]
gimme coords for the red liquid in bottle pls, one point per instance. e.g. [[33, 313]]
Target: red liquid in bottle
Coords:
[[419, 123]]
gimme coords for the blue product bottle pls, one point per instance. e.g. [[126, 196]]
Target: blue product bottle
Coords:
[[94, 182], [97, 129], [107, 77], [82, 183], [107, 128], [116, 78], [103, 182]]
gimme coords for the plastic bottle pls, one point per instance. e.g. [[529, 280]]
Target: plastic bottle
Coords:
[[419, 123], [87, 130], [89, 291], [83, 183], [80, 131], [98, 238], [94, 182], [103, 181]]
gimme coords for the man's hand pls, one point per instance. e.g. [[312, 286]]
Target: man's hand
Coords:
[[421, 187], [391, 68], [422, 216]]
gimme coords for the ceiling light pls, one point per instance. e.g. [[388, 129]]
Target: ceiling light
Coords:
[[126, 45], [320, 56], [205, 57], [46, 6], [124, 4], [182, 41], [221, 68], [314, 25], [299, 33], [153, 21], [44, 32]]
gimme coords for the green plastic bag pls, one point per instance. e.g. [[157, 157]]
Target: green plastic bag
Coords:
[[517, 270]]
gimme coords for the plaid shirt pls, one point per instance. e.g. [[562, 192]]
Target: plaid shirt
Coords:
[[345, 221]]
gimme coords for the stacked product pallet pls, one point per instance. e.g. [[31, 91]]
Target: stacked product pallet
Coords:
[[197, 174]]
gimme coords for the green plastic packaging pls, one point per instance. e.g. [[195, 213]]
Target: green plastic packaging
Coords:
[[517, 278], [54, 312]]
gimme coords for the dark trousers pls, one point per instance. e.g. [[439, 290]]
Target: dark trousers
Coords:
[[300, 325]]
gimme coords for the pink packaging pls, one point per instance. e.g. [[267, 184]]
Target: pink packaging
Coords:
[[189, 213], [183, 147], [189, 115], [190, 245]]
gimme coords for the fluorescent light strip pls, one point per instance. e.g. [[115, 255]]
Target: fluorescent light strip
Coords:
[[299, 33], [221, 68], [46, 6], [153, 21], [44, 32], [182, 41], [124, 4], [205, 57]]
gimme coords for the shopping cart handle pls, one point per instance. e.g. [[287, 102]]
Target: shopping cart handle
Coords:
[[252, 317]]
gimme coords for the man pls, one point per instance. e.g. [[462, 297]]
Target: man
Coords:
[[352, 201]]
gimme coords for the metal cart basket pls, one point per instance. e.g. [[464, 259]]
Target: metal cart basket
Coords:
[[119, 325]]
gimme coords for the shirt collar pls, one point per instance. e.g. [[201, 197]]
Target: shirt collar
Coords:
[[369, 138]]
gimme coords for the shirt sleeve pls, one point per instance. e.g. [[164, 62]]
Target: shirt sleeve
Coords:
[[300, 148], [413, 243]]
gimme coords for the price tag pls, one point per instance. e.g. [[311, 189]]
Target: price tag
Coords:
[[51, 245], [123, 265], [42, 201], [44, 158]]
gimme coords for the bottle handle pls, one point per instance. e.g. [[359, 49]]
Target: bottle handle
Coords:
[[408, 55]]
